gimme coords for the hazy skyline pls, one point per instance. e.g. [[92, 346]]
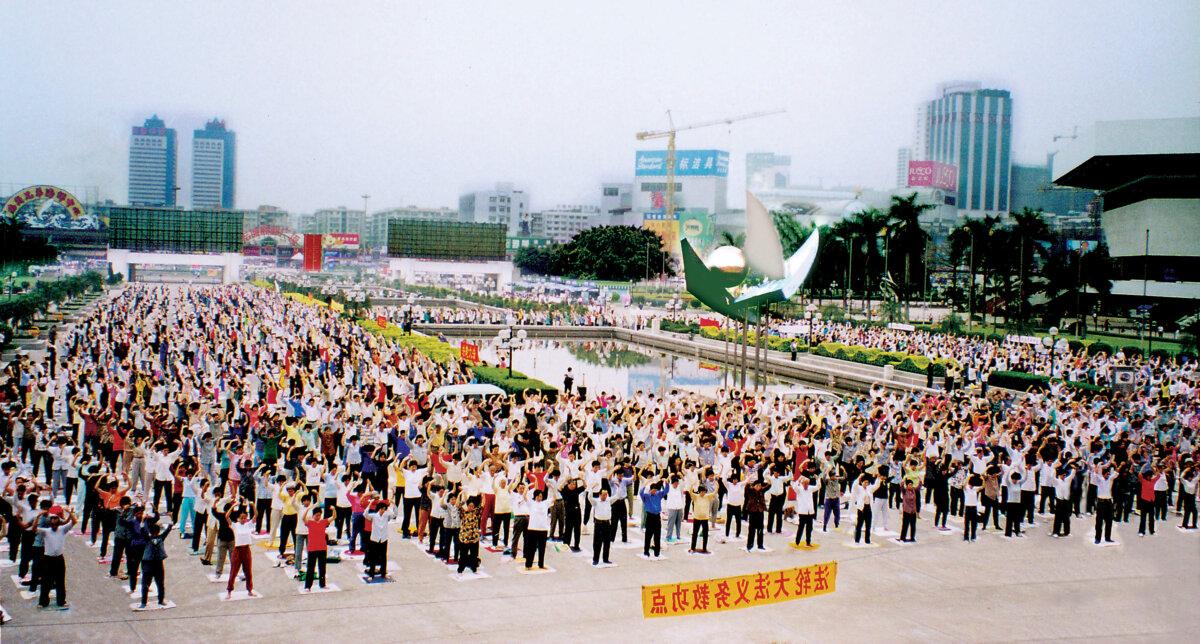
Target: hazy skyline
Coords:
[[414, 103]]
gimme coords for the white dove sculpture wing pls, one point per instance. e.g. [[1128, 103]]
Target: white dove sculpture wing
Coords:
[[763, 249]]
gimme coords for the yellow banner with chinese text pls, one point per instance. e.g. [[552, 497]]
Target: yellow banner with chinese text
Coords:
[[741, 591]]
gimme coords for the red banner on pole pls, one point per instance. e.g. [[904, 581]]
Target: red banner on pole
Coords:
[[312, 253], [469, 352]]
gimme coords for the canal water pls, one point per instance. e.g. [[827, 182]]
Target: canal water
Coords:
[[618, 367]]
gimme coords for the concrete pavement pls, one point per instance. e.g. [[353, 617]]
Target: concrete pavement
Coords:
[[940, 589]]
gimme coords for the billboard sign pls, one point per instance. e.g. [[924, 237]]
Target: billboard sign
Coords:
[[931, 174], [697, 227], [667, 229], [688, 163], [340, 241]]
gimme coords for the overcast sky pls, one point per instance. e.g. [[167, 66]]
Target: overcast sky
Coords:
[[415, 102]]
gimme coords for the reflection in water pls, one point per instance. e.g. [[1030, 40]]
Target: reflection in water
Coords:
[[614, 366]]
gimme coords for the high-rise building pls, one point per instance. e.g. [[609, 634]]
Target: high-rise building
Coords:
[[504, 205], [903, 156], [213, 166], [767, 171], [971, 128], [152, 164]]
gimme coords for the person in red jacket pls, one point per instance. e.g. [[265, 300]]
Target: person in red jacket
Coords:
[[1147, 478]]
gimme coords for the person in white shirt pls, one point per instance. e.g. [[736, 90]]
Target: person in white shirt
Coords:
[[971, 492], [539, 528], [806, 509]]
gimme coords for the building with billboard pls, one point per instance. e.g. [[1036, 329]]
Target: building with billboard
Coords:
[[374, 234], [152, 164], [970, 128], [1148, 173], [701, 186], [503, 205], [214, 167], [449, 253], [175, 245], [767, 171]]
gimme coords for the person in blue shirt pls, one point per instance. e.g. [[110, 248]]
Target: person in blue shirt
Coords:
[[652, 499]]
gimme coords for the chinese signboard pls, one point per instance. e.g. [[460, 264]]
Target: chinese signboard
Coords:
[[469, 352], [340, 241], [742, 591], [933, 175], [694, 163], [667, 229]]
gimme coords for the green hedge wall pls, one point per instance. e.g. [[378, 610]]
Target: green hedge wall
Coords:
[[517, 385], [880, 358]]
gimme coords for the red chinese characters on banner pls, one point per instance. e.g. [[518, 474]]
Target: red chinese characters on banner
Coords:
[[468, 352], [709, 322], [741, 591]]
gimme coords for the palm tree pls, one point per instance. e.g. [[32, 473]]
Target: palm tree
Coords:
[[727, 238], [866, 227], [904, 222], [1028, 230], [972, 240]]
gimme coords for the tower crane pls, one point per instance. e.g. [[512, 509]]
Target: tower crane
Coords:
[[669, 135]]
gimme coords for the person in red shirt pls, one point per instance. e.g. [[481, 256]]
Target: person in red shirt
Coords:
[[1147, 478], [317, 546]]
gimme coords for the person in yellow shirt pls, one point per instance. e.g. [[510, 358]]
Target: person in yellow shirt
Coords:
[[290, 495]]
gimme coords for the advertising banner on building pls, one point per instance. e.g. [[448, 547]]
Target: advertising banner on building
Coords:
[[688, 163], [931, 174], [312, 253], [741, 591], [340, 241], [697, 227], [668, 229]]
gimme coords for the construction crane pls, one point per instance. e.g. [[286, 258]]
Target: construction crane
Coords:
[[669, 134]]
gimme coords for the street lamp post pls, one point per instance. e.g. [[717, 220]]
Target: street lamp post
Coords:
[[811, 315], [1052, 346], [509, 341]]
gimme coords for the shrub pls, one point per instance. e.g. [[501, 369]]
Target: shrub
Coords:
[[952, 323], [1161, 354], [436, 350], [1076, 345], [1099, 347], [516, 385], [1019, 381]]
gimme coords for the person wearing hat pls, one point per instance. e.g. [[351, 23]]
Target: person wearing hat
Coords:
[[53, 568]]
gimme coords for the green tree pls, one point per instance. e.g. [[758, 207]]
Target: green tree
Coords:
[[1028, 232], [971, 242], [622, 253], [865, 228], [536, 259], [908, 240], [20, 248]]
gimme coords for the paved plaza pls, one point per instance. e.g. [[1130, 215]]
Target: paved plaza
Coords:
[[940, 589]]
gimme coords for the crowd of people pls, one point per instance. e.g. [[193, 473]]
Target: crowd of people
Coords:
[[230, 414]]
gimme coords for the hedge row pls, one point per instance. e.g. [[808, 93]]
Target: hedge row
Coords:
[[902, 361], [517, 385], [436, 350], [1023, 381]]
